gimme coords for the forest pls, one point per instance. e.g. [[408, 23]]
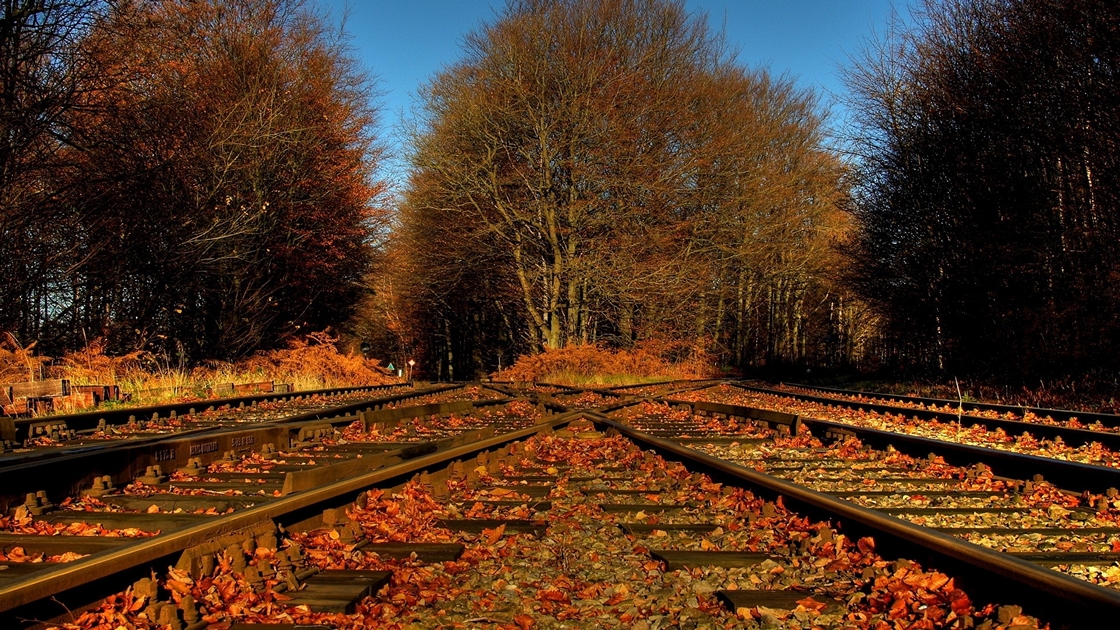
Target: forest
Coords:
[[200, 179]]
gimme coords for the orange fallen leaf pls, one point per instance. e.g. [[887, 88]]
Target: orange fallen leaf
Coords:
[[178, 587], [491, 536], [525, 622], [811, 604], [552, 595]]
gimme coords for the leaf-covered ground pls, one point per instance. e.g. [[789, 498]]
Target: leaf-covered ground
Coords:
[[584, 572]]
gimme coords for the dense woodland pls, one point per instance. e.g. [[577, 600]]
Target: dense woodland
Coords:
[[987, 209], [198, 178]]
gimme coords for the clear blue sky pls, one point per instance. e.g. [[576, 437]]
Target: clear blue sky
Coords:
[[404, 42]]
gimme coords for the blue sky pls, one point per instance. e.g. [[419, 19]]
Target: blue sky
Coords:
[[404, 42]]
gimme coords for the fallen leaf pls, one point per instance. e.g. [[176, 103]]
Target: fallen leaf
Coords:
[[178, 587], [553, 595], [491, 536], [811, 604]]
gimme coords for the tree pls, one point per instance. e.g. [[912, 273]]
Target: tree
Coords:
[[596, 171], [772, 216], [229, 198], [42, 73], [987, 203]]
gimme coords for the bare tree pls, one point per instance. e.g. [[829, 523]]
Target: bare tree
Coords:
[[42, 73]]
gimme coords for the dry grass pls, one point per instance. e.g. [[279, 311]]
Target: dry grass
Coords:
[[592, 364], [91, 366], [18, 362], [313, 362]]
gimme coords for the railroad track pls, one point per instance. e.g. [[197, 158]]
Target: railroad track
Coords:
[[24, 434], [123, 511], [66, 471], [1051, 513], [1073, 427], [1023, 412], [1038, 436], [66, 435], [521, 512]]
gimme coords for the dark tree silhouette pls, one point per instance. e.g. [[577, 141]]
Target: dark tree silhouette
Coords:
[[987, 204]]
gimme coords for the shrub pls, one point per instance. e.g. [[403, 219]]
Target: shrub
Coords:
[[314, 362], [18, 362], [585, 364]]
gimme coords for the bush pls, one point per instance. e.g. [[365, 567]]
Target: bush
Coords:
[[315, 362], [586, 364], [18, 362]]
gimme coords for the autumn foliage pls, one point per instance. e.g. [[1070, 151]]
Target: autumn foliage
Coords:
[[605, 172], [208, 171], [18, 362], [316, 356]]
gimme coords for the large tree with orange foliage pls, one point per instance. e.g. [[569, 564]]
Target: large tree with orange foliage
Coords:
[[220, 179], [603, 170]]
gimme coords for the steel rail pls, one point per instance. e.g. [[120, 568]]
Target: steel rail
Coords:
[[1073, 476], [1071, 602], [90, 419], [375, 403], [684, 382], [48, 454], [1106, 419], [1075, 437], [67, 473], [51, 582]]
